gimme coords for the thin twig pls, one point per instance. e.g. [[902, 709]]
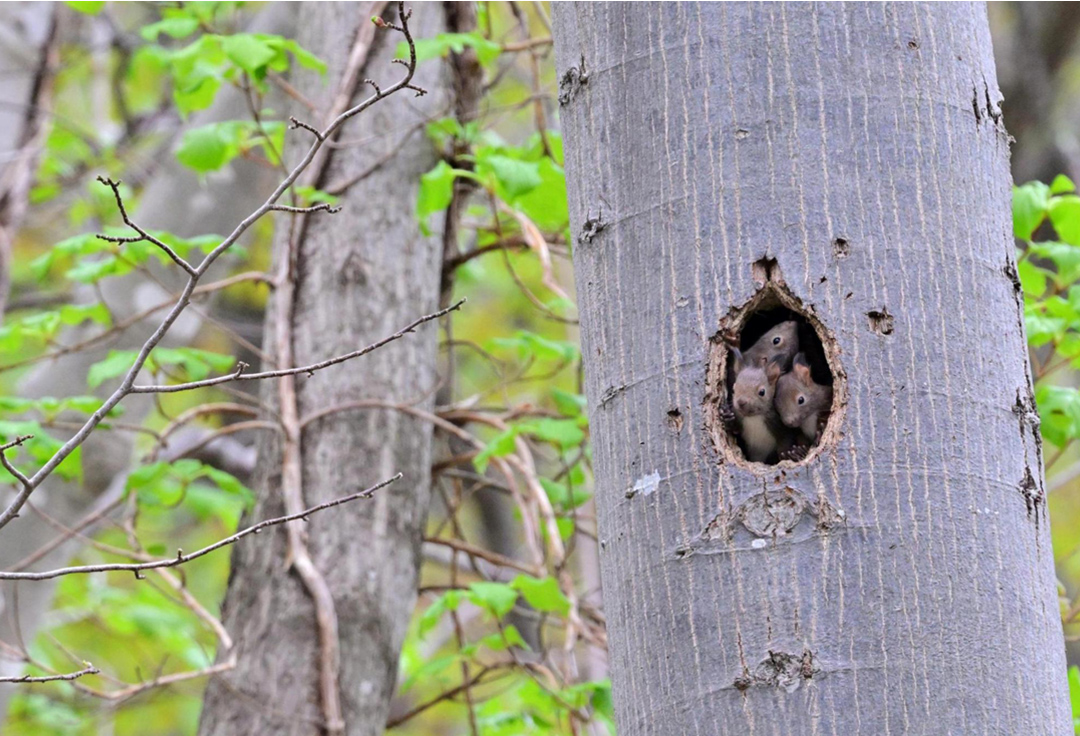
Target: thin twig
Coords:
[[182, 558], [321, 207], [240, 375], [447, 695], [27, 488], [294, 124], [487, 555], [143, 234], [89, 669]]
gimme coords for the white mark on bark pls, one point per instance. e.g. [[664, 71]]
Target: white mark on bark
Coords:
[[645, 485]]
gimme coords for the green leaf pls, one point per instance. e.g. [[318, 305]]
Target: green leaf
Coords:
[[1065, 215], [176, 24], [247, 51], [546, 204], [146, 475], [1059, 410], [543, 594], [164, 483], [207, 148], [76, 314], [568, 404], [445, 130], [1065, 256], [1074, 694], [86, 7], [561, 496], [436, 192], [531, 346], [304, 57], [513, 176], [497, 598], [501, 446], [310, 195], [197, 96], [230, 484], [502, 640], [197, 70], [1030, 203], [565, 433], [198, 364], [14, 405], [448, 601], [89, 272], [1062, 185], [1032, 278], [116, 363], [38, 450], [1043, 328], [86, 404], [444, 44], [431, 669]]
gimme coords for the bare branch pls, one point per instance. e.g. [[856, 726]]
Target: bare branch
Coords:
[[7, 463], [494, 558], [27, 485], [239, 375], [181, 558], [294, 124], [143, 234], [89, 669], [323, 207]]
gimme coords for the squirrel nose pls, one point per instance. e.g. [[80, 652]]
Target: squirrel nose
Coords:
[[740, 404]]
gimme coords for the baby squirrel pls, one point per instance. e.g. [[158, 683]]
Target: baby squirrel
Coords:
[[803, 405], [751, 413], [780, 341]]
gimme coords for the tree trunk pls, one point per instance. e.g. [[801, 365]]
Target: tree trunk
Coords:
[[846, 162], [357, 276]]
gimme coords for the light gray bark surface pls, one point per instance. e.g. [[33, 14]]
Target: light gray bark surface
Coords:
[[363, 274], [913, 592]]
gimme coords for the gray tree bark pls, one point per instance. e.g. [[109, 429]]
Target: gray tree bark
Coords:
[[358, 276], [900, 580]]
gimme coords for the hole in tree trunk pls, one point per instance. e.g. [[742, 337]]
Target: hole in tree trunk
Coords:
[[776, 390]]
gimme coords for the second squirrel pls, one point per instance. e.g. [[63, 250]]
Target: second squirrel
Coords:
[[802, 404]]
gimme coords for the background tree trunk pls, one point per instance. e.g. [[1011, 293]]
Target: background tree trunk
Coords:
[[359, 275], [901, 581]]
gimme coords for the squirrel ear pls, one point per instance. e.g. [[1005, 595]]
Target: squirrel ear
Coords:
[[737, 363], [773, 370], [801, 368]]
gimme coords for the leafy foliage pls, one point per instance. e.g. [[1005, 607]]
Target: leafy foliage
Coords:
[[1046, 220]]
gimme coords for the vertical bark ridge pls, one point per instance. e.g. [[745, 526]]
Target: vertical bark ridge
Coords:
[[861, 146]]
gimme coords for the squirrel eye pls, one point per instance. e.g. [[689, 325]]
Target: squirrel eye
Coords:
[[776, 340], [761, 392], [802, 399]]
